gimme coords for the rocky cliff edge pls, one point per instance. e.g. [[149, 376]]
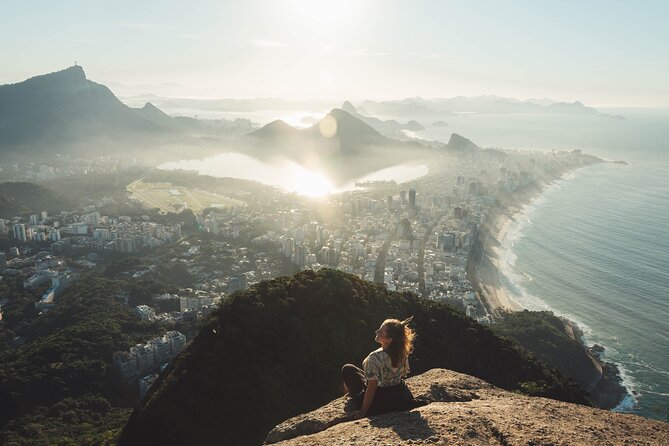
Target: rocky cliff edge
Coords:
[[464, 410]]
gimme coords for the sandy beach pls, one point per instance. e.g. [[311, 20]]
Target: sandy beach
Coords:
[[607, 390], [490, 282]]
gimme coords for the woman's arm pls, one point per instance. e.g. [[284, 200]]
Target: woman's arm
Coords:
[[369, 397]]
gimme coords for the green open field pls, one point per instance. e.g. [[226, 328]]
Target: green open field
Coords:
[[170, 198]]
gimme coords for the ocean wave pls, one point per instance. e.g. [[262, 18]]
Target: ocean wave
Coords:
[[635, 392], [605, 236], [645, 365], [627, 405], [666, 394]]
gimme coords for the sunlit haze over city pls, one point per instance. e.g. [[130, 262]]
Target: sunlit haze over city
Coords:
[[330, 222]]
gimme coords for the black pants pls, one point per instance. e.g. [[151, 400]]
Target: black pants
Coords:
[[386, 399]]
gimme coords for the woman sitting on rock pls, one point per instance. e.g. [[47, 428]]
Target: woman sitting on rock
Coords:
[[380, 387]]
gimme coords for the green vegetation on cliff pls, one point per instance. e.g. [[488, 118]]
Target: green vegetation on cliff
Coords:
[[544, 334], [56, 379], [556, 342], [20, 198], [276, 349]]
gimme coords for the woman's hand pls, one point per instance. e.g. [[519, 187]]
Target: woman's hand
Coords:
[[369, 397]]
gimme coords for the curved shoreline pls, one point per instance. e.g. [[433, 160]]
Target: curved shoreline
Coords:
[[610, 392]]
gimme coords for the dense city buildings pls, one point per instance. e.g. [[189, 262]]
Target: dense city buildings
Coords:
[[425, 237], [144, 358]]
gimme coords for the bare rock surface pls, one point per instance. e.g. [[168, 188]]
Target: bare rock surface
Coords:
[[464, 410]]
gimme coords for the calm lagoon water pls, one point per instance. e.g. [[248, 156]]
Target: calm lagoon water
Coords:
[[289, 175]]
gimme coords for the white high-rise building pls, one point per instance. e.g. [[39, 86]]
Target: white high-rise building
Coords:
[[288, 247], [145, 356], [160, 232], [20, 232], [178, 341], [300, 257], [162, 349], [126, 364], [92, 219], [45, 215], [101, 234]]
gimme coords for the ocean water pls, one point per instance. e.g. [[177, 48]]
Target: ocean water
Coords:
[[594, 247]]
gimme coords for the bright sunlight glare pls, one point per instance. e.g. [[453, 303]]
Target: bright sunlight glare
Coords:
[[310, 183], [324, 11]]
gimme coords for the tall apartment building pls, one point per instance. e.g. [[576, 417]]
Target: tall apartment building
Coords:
[[20, 233]]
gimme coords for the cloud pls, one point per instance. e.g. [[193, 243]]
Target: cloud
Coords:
[[365, 53], [435, 55], [262, 43]]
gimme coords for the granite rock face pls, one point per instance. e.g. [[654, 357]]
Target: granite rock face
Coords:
[[464, 410]]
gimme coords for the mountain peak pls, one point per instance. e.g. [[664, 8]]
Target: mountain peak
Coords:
[[66, 109], [71, 76], [275, 129], [348, 107], [344, 117], [458, 142], [150, 108], [350, 130]]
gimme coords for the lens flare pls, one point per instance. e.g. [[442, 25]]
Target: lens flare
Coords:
[[328, 126]]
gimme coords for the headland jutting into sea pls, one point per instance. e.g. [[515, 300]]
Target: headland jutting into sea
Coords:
[[605, 385]]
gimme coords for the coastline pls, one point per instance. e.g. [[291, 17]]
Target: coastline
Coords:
[[488, 275], [609, 390]]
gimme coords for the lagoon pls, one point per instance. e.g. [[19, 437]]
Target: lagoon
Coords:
[[289, 175]]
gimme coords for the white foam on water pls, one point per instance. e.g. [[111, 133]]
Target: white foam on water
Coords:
[[514, 280]]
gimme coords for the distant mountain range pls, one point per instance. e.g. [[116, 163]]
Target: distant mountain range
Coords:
[[481, 104], [338, 133], [415, 107], [390, 128], [59, 110], [64, 112], [341, 144], [341, 133]]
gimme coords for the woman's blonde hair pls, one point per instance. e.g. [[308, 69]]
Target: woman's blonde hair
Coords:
[[402, 337]]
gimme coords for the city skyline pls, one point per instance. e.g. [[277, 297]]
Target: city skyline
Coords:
[[600, 53]]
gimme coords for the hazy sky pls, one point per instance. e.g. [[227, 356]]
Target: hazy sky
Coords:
[[600, 52]]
